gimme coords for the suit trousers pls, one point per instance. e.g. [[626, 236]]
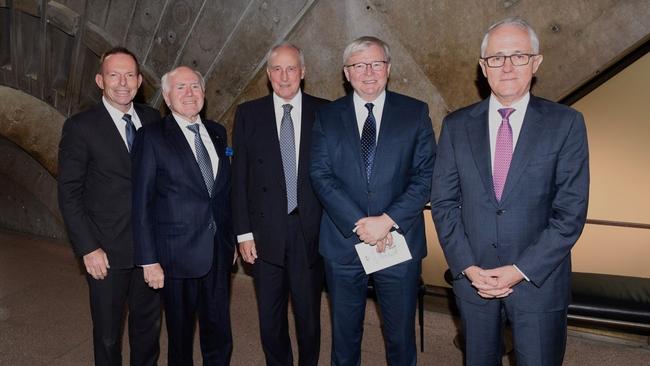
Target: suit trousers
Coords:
[[539, 337], [207, 297], [396, 288], [273, 285], [108, 300]]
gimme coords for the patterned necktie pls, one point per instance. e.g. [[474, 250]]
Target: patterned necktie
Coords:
[[502, 152], [288, 150], [130, 130], [202, 157], [368, 141]]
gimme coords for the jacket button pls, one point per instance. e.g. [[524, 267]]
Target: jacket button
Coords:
[[501, 212], [263, 189], [495, 245], [261, 214]]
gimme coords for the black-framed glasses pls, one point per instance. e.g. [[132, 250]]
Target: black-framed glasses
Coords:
[[361, 67], [518, 59]]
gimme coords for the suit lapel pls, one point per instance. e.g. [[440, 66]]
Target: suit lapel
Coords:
[[306, 122], [389, 128], [109, 130], [349, 119], [479, 142], [220, 147], [177, 139], [531, 131]]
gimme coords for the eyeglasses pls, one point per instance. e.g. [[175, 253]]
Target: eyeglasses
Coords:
[[361, 67], [518, 59]]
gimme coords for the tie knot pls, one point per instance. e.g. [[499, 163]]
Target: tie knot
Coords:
[[287, 108], [194, 127], [506, 112], [369, 106], [127, 118]]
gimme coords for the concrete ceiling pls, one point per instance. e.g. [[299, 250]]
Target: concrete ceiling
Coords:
[[50, 49]]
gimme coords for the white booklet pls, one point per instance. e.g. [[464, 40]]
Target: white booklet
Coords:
[[372, 261]]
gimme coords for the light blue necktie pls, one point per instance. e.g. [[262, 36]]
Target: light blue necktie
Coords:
[[368, 141], [130, 130], [202, 158], [288, 150]]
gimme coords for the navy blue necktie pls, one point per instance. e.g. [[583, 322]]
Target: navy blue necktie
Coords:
[[288, 150], [368, 145], [130, 130], [203, 158]]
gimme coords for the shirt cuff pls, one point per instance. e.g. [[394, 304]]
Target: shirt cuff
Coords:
[[522, 273], [244, 237]]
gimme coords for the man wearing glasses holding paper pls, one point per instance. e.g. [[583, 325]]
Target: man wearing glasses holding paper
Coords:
[[371, 167]]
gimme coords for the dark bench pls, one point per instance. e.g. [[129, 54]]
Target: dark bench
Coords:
[[610, 302]]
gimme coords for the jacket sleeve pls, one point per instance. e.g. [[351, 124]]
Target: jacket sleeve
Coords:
[[143, 177], [74, 158]]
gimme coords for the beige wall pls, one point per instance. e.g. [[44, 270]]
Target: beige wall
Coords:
[[618, 124]]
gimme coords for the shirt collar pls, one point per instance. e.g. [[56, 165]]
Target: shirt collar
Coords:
[[295, 101], [182, 121], [115, 113], [519, 105], [378, 102]]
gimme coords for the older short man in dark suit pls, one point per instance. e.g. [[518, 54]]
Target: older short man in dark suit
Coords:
[[276, 213], [372, 160], [95, 201], [509, 201], [182, 222]]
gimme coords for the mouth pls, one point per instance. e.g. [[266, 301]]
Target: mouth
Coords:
[[370, 82]]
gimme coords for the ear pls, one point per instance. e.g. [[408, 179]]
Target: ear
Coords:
[[268, 73], [99, 80], [388, 71], [302, 73], [347, 73], [139, 80], [483, 66], [166, 97], [537, 60]]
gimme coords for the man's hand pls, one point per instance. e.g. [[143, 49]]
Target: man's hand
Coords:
[[506, 277], [96, 263], [487, 286], [248, 251], [384, 243], [374, 229], [154, 275]]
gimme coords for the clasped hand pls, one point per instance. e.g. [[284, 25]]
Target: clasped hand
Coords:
[[494, 283], [375, 230]]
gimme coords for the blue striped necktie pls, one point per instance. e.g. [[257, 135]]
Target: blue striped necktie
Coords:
[[288, 150], [203, 158]]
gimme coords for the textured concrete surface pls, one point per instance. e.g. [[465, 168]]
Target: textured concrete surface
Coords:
[[44, 319]]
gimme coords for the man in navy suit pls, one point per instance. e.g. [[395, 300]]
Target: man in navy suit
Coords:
[[509, 201], [95, 200], [182, 221], [276, 213], [372, 160]]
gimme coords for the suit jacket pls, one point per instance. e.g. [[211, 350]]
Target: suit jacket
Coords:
[[94, 184], [400, 181], [542, 210], [175, 221], [259, 189]]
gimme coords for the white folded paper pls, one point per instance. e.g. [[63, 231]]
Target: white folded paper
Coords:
[[372, 261]]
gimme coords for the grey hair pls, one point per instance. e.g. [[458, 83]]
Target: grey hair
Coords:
[[518, 22], [164, 80], [364, 43], [301, 56]]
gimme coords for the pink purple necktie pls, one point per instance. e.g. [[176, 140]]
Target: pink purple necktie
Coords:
[[503, 152]]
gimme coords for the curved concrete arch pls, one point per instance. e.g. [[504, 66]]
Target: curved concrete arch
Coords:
[[32, 124]]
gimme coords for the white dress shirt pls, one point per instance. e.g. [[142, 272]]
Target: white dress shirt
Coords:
[[205, 137], [362, 112], [120, 124], [516, 121]]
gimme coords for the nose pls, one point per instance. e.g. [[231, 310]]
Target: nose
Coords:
[[284, 75], [508, 65], [122, 80], [189, 92], [368, 70]]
